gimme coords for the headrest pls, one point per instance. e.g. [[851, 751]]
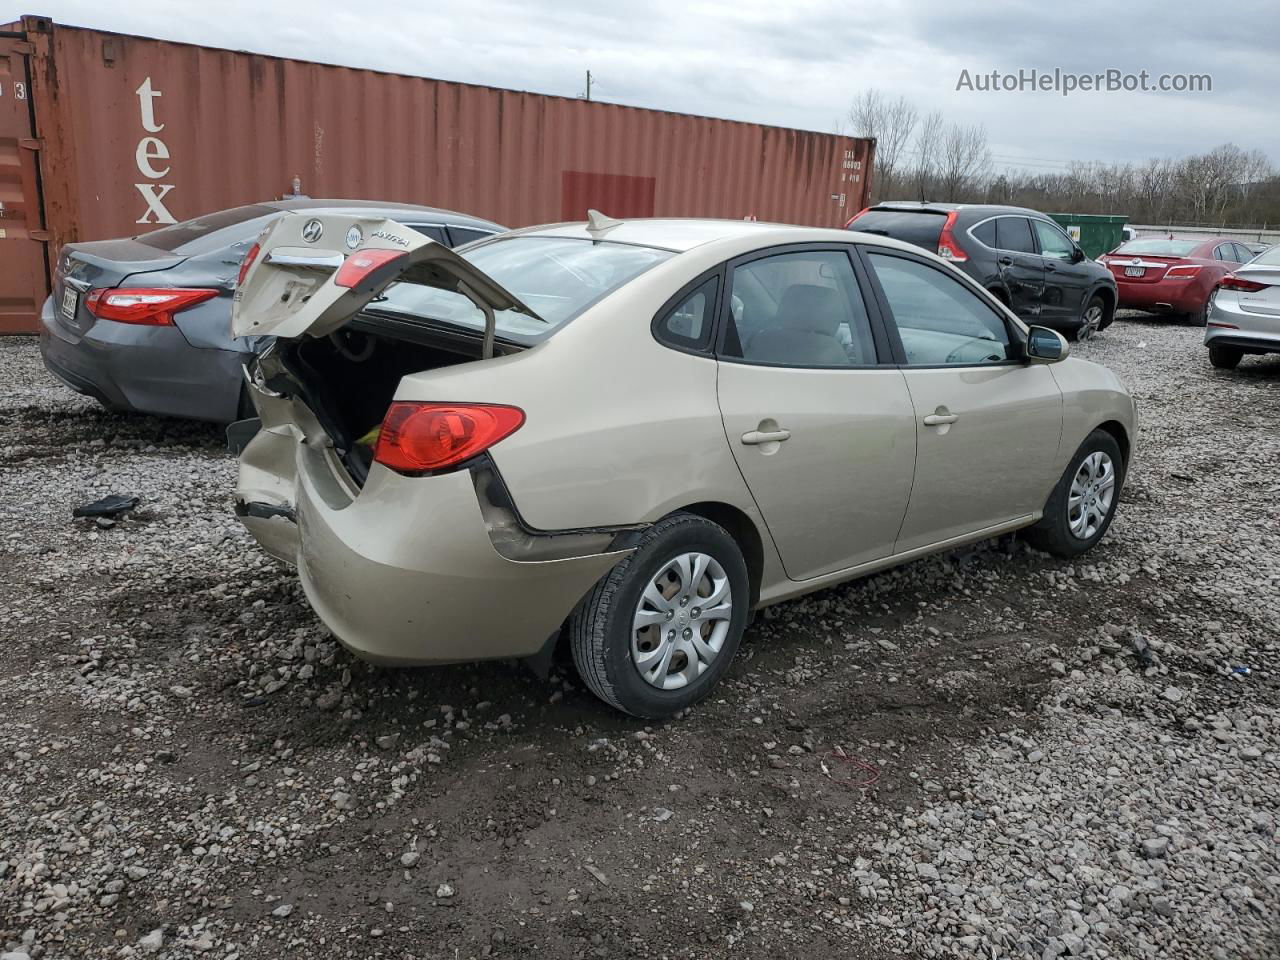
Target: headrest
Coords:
[[811, 308]]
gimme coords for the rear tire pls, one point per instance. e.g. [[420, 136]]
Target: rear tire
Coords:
[[1078, 514], [1200, 318], [1224, 357], [659, 668]]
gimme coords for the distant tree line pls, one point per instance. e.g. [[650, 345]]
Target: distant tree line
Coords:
[[923, 157]]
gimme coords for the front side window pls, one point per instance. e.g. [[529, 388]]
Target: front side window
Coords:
[[799, 309], [1243, 253], [940, 321], [556, 277], [1014, 233], [1053, 242]]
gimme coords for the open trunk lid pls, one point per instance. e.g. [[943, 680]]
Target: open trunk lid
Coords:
[[309, 275]]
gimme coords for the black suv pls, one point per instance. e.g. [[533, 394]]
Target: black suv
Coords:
[[1020, 255]]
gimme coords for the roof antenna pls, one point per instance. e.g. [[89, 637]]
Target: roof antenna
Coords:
[[598, 223]]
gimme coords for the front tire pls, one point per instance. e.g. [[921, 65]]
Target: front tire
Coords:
[[1084, 501], [1091, 319], [657, 633], [1224, 357]]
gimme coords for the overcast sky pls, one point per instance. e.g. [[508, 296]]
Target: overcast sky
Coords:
[[789, 62]]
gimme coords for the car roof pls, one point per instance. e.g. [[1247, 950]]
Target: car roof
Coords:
[[684, 234], [389, 209], [989, 209]]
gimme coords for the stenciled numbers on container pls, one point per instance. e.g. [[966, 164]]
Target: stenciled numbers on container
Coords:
[[19, 90]]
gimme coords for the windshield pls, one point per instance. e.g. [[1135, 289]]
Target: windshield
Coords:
[[1159, 247], [203, 234], [556, 277]]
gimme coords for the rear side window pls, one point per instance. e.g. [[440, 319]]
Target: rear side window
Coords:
[[1014, 233], [799, 310], [436, 233], [940, 321], [463, 235], [985, 233], [689, 324], [214, 230], [919, 227]]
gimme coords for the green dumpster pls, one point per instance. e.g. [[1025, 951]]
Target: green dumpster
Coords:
[[1096, 233]]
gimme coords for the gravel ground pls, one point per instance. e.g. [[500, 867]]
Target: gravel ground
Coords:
[[985, 754]]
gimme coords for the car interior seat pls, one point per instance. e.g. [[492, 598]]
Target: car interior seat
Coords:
[[805, 331]]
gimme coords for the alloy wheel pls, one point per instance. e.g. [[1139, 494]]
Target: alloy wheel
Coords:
[[1091, 322], [1093, 491], [682, 621]]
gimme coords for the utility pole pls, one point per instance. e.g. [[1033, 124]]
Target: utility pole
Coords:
[[588, 84]]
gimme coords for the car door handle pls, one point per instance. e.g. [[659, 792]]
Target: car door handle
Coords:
[[938, 419], [1050, 267], [753, 437], [1006, 260]]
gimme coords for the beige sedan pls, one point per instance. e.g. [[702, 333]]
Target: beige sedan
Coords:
[[629, 435]]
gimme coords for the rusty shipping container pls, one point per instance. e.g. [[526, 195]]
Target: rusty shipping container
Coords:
[[106, 135]]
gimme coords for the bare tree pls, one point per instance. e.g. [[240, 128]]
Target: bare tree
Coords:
[[890, 123], [928, 144], [964, 161]]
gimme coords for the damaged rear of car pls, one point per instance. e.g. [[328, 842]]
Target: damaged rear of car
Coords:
[[372, 470]]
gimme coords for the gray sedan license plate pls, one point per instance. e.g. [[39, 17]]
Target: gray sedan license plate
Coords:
[[70, 301], [1134, 271]]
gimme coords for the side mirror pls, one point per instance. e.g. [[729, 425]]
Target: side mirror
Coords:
[[1045, 346], [1076, 254]]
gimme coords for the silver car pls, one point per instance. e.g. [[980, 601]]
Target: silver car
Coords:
[[143, 323], [630, 435], [1244, 312]]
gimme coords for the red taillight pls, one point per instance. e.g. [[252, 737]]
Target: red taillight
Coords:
[[849, 223], [144, 305], [1184, 272], [358, 266], [948, 249], [418, 438], [1232, 282], [247, 262]]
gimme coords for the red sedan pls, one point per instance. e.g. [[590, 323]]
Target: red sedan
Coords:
[[1173, 274]]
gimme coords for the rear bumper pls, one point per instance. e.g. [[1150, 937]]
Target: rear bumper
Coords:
[[1173, 296], [1230, 326], [144, 369], [405, 573]]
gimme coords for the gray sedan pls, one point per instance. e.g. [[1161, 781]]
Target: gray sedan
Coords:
[[1244, 312], [144, 323]]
